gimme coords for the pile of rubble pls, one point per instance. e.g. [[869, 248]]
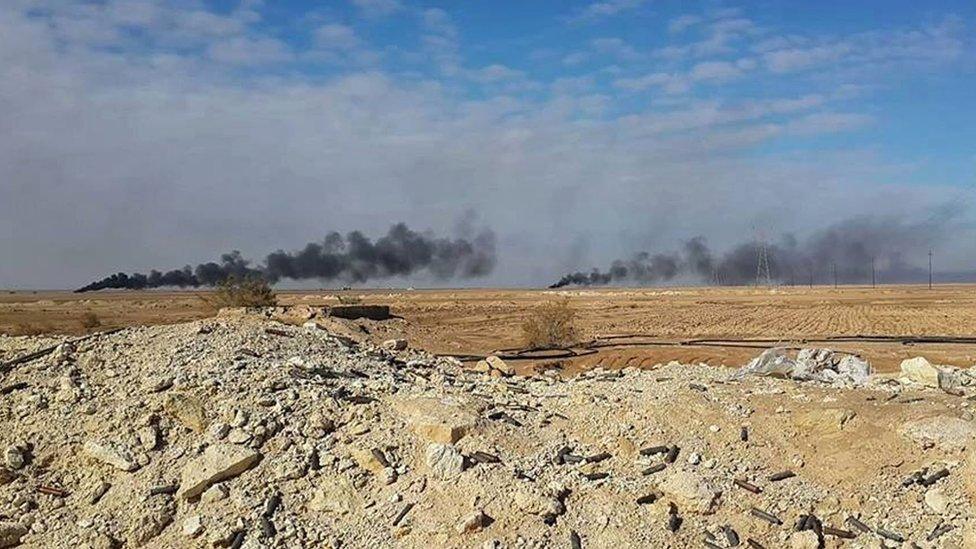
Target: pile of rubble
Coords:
[[245, 432]]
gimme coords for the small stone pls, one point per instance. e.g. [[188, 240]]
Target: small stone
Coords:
[[160, 384], [937, 501], [336, 495], [395, 344], [14, 457], [474, 522], [148, 437], [690, 491], [444, 461], [806, 539], [192, 526], [217, 463], [114, 455], [215, 493], [694, 458], [218, 430], [445, 420], [188, 409]]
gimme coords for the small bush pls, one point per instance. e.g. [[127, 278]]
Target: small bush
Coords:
[[251, 291], [551, 325], [89, 321]]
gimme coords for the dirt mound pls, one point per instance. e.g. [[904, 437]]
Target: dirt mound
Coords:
[[244, 432]]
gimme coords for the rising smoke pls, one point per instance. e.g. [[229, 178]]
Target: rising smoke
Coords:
[[848, 248], [351, 258]]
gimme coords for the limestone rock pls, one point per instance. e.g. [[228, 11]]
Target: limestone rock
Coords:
[[474, 522], [215, 493], [114, 455], [336, 495], [14, 457], [10, 533], [395, 344], [368, 460], [192, 526], [690, 491], [804, 540], [217, 463], [921, 371], [445, 420], [444, 461], [936, 500], [947, 433], [188, 410]]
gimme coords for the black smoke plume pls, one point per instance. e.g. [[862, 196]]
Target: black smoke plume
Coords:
[[850, 249], [350, 258]]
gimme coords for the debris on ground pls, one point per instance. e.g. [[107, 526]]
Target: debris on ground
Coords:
[[240, 431]]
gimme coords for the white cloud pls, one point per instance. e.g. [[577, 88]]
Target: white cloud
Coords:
[[606, 8], [614, 46], [378, 8], [495, 73], [336, 36], [683, 22], [249, 51], [715, 70], [828, 122]]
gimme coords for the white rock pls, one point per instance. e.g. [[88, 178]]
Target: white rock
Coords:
[[444, 461], [14, 457], [217, 463], [114, 455], [192, 526], [921, 371], [936, 500], [215, 493]]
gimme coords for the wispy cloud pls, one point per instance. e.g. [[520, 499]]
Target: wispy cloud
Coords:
[[605, 8]]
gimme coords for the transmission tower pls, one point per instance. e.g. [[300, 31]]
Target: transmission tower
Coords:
[[763, 277]]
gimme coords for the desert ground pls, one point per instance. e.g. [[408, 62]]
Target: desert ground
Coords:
[[662, 320], [151, 420]]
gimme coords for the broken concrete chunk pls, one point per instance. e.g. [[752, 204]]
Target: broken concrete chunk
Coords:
[[690, 491], [445, 420], [217, 463], [188, 409], [444, 461], [114, 455], [949, 434]]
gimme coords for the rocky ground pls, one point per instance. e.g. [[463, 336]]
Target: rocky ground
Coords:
[[240, 431]]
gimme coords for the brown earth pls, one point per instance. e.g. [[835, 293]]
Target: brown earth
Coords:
[[481, 321]]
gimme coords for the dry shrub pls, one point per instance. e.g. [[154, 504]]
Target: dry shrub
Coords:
[[89, 321], [31, 329], [251, 291], [551, 325]]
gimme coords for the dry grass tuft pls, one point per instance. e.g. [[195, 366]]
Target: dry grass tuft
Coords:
[[551, 325], [252, 291], [89, 321]]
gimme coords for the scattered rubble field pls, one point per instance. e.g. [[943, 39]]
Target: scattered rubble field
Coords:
[[242, 431], [479, 322]]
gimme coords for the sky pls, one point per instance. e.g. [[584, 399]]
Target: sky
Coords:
[[139, 134]]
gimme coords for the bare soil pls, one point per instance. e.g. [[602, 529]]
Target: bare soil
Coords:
[[482, 321]]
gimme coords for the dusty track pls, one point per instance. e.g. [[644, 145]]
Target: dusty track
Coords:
[[480, 321]]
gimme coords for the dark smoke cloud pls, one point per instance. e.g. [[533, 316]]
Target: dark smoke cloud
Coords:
[[848, 248], [350, 258]]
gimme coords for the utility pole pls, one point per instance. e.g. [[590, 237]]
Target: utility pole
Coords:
[[930, 269], [833, 267], [873, 279]]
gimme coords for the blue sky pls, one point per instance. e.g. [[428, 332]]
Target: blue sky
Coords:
[[580, 130]]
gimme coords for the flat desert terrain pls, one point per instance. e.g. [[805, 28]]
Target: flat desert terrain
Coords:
[[629, 326]]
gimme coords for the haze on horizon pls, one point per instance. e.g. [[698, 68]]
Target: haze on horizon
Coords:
[[152, 134]]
